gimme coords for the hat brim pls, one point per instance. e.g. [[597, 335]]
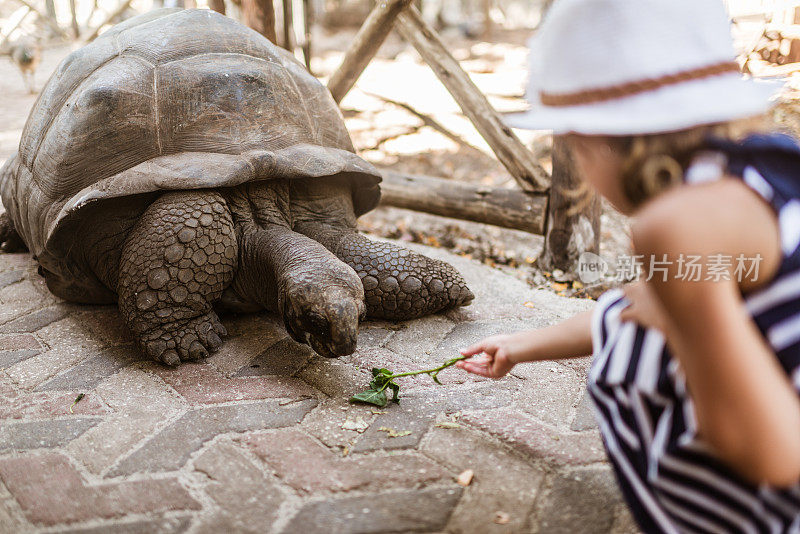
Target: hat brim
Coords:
[[670, 108]]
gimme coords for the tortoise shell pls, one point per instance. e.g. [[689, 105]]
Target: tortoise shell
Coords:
[[172, 99]]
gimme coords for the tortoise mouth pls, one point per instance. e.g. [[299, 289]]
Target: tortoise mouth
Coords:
[[330, 350]]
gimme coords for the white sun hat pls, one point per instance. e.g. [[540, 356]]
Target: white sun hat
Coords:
[[626, 67]]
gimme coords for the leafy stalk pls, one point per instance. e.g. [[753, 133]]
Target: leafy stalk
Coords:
[[383, 379]]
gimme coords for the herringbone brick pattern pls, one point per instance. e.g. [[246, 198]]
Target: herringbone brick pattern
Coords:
[[260, 437]]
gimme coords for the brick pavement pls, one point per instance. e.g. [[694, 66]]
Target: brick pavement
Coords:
[[260, 437]]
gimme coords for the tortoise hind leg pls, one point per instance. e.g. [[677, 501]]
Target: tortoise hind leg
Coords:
[[175, 264], [398, 284], [10, 240]]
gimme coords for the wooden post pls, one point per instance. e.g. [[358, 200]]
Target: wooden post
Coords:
[[572, 228], [507, 147], [308, 21], [365, 45], [509, 208], [217, 5], [260, 15], [288, 21]]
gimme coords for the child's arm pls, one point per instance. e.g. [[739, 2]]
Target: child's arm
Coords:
[[745, 405], [567, 339]]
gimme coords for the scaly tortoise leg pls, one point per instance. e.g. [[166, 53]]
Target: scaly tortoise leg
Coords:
[[398, 284], [176, 262], [10, 240]]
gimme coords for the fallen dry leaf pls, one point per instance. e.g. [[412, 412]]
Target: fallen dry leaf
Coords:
[[558, 286], [501, 518], [448, 424], [358, 425], [392, 433], [529, 304], [465, 478]]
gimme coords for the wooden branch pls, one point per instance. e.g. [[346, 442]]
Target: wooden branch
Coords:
[[509, 208], [507, 147], [429, 121], [7, 36], [288, 31], [365, 45], [573, 220], [50, 21], [109, 20]]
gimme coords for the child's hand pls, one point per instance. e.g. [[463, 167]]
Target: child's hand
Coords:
[[496, 361]]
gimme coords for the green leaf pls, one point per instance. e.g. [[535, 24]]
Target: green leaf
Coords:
[[381, 371], [371, 396], [435, 377]]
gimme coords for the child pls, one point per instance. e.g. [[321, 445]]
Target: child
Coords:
[[696, 371]]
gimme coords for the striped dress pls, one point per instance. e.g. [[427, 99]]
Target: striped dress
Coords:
[[668, 475]]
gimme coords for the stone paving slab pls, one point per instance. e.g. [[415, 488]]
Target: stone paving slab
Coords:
[[260, 437]]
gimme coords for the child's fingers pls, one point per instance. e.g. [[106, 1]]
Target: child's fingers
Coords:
[[477, 348], [476, 368], [488, 345]]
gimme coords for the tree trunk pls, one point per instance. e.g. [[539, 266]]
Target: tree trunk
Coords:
[[573, 225], [76, 32], [308, 20], [288, 21], [260, 15], [217, 5]]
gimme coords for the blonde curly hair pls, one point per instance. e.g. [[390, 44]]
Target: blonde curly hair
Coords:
[[654, 163]]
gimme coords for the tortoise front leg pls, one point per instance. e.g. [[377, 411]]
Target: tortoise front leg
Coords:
[[398, 284], [177, 261]]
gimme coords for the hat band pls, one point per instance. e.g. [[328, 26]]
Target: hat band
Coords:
[[632, 88]]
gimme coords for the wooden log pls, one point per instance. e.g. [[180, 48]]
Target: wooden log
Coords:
[[109, 20], [260, 15], [507, 147], [573, 221], [365, 45], [288, 21], [509, 208]]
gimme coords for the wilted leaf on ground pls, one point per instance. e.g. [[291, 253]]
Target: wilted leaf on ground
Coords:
[[392, 433]]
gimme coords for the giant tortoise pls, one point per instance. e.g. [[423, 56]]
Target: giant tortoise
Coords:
[[182, 163]]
